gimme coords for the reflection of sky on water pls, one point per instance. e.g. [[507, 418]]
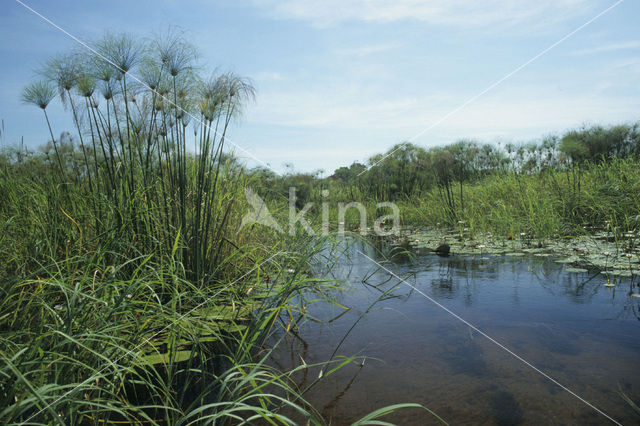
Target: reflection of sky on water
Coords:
[[581, 333]]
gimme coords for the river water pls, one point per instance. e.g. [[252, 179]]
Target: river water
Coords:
[[570, 326]]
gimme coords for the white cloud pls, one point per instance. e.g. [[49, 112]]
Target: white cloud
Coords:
[[322, 108], [343, 154], [635, 44], [323, 127], [516, 112], [268, 76], [367, 50], [631, 64], [451, 12]]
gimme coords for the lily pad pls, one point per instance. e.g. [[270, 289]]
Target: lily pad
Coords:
[[576, 270], [619, 273], [570, 259], [533, 250]]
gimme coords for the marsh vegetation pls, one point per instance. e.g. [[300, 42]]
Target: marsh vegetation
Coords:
[[131, 293], [562, 185]]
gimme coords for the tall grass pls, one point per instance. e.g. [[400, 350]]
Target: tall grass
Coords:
[[86, 343], [95, 330], [542, 205], [152, 146], [129, 294]]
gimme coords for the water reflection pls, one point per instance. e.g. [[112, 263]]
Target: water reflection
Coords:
[[570, 325]]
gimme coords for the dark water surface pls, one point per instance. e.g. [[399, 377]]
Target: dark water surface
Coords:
[[572, 327]]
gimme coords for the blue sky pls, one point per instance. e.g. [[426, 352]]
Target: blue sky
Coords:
[[340, 80]]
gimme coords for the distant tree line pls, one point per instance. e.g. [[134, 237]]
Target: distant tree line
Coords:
[[407, 169]]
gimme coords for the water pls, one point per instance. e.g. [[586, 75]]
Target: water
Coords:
[[572, 327]]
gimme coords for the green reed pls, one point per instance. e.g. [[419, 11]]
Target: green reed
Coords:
[[129, 292]]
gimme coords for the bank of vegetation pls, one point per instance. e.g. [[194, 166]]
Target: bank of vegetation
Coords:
[[129, 292], [561, 185]]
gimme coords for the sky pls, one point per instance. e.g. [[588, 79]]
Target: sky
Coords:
[[341, 80]]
